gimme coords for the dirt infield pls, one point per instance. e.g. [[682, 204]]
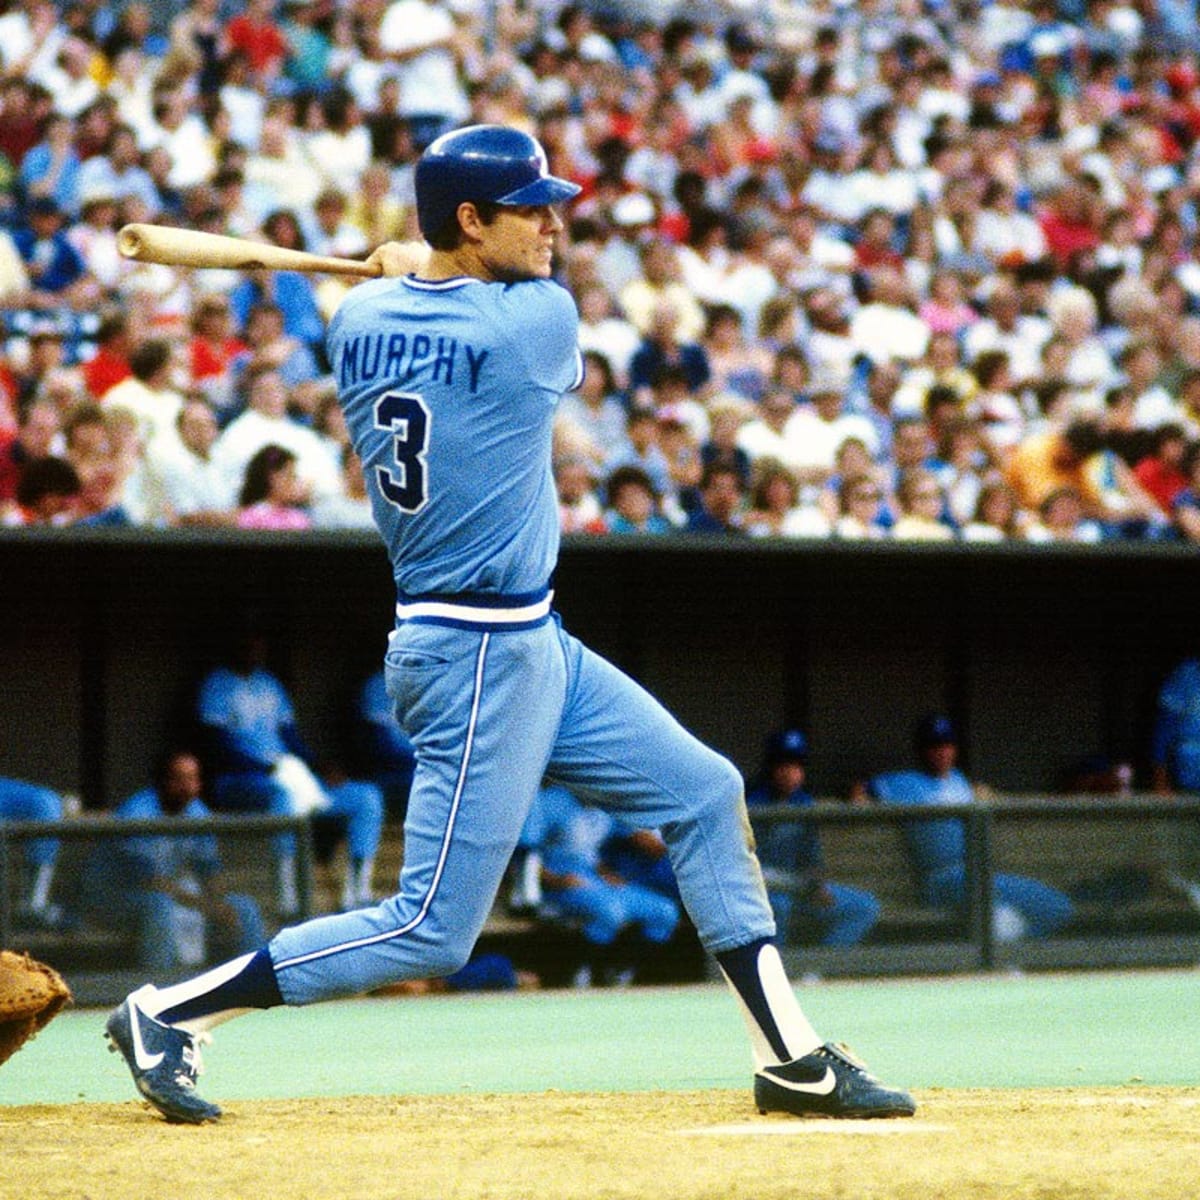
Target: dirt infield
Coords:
[[1050, 1144]]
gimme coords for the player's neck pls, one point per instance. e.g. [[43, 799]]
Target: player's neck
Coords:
[[454, 264]]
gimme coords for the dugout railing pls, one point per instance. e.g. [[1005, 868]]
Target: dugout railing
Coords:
[[1124, 862], [1121, 859], [100, 957]]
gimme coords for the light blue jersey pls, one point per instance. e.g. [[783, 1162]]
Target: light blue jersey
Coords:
[[934, 844], [165, 856], [250, 710], [452, 417]]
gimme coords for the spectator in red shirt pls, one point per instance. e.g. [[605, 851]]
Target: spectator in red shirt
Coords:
[[213, 348], [256, 35], [110, 364], [9, 389], [1070, 222], [1161, 472], [875, 246], [24, 107]]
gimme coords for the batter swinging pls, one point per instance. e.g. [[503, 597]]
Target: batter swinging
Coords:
[[449, 378]]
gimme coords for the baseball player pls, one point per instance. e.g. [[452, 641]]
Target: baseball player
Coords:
[[22, 801], [449, 371], [938, 848]]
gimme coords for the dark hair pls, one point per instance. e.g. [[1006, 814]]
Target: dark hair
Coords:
[[669, 373], [1172, 431], [1059, 493], [1083, 438], [113, 322], [717, 313], [941, 394], [600, 360], [997, 487], [42, 477], [256, 483], [450, 235], [715, 469], [286, 215], [628, 476], [85, 413], [147, 358], [988, 364]]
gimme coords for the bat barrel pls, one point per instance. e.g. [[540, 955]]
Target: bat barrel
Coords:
[[192, 248]]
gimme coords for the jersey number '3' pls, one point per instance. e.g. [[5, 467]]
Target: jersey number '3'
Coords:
[[405, 417]]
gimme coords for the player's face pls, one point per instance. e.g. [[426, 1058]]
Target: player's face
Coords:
[[519, 243], [941, 759]]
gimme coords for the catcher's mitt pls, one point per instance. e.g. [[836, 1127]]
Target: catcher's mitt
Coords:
[[31, 995]]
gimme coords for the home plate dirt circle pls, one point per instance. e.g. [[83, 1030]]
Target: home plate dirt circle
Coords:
[[792, 1128]]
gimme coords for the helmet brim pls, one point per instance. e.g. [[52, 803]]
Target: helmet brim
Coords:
[[549, 189]]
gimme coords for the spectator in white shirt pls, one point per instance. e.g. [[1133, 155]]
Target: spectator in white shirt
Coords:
[[184, 137], [148, 393], [182, 484], [886, 326], [421, 37], [815, 432], [1005, 328], [266, 421]]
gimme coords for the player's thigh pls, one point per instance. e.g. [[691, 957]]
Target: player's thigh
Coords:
[[619, 747], [482, 711]]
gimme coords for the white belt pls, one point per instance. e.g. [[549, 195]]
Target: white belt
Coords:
[[477, 614]]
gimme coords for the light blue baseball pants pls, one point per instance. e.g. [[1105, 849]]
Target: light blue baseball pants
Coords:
[[492, 712]]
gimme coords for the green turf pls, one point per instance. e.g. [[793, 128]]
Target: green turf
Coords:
[[1036, 1031]]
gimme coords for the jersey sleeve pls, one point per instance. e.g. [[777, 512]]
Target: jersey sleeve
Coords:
[[545, 322]]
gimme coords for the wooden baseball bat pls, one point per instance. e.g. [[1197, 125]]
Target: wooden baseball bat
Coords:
[[191, 248]]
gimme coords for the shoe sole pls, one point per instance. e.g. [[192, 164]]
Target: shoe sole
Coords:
[[791, 1106], [858, 1114]]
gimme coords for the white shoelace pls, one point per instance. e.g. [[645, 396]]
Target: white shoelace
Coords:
[[193, 1060]]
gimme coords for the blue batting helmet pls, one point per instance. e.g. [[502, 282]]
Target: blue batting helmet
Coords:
[[483, 163]]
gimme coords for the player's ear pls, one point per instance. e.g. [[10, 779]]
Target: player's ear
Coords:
[[469, 220]]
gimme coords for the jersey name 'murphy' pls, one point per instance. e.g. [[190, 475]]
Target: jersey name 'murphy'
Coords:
[[404, 358]]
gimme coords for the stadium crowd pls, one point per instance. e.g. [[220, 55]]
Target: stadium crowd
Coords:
[[908, 269]]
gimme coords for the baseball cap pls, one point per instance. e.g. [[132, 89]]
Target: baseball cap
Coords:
[[787, 745], [935, 729]]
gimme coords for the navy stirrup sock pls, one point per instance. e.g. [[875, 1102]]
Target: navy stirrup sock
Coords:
[[254, 986], [741, 969]]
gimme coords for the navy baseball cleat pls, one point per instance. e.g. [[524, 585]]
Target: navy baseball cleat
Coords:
[[829, 1082], [163, 1060]]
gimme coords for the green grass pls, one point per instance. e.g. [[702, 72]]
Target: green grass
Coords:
[[1035, 1031]]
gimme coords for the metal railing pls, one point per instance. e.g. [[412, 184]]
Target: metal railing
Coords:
[[1065, 838], [95, 829]]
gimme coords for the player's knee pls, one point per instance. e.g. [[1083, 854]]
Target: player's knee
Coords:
[[47, 805], [724, 790], [446, 960]]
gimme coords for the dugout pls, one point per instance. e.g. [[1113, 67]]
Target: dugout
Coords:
[[1044, 655]]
